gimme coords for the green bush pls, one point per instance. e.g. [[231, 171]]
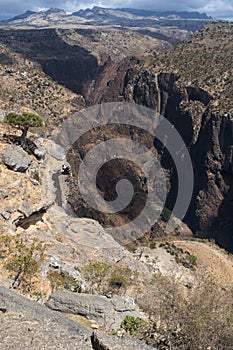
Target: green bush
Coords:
[[166, 214], [192, 259], [132, 324]]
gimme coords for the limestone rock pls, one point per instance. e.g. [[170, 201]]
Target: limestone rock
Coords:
[[16, 159], [39, 153], [28, 325], [106, 312]]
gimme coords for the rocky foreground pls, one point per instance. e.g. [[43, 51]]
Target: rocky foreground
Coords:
[[28, 325]]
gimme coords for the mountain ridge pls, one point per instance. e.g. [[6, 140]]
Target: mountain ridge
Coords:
[[145, 13], [100, 16], [135, 12]]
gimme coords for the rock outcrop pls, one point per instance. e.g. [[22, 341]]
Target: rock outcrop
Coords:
[[16, 158], [106, 312], [29, 325], [26, 324]]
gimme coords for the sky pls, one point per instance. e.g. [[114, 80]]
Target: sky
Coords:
[[221, 9]]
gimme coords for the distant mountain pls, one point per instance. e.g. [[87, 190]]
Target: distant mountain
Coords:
[[181, 14], [22, 16], [99, 17], [88, 13], [53, 10]]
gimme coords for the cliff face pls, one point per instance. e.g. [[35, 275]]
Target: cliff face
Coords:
[[213, 159], [207, 134]]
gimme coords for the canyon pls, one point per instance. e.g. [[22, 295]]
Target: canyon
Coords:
[[194, 108]]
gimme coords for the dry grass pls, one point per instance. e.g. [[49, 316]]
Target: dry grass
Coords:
[[203, 319]]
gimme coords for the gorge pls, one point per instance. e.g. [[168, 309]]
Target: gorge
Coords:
[[194, 110]]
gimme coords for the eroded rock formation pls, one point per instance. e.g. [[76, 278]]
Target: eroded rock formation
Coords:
[[207, 133]]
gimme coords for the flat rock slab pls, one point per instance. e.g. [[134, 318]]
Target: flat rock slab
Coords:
[[28, 325], [106, 312], [15, 158]]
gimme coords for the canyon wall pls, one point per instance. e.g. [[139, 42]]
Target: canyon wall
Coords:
[[207, 133]]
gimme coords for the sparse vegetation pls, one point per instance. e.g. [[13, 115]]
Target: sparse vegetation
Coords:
[[105, 276], [181, 257], [97, 271], [60, 280], [201, 320], [203, 60], [22, 259]]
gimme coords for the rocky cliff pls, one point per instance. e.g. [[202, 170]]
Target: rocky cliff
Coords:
[[202, 113], [207, 133]]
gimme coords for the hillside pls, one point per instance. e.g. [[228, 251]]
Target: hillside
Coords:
[[204, 61], [24, 84]]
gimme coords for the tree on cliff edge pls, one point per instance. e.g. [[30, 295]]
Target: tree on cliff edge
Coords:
[[24, 121]]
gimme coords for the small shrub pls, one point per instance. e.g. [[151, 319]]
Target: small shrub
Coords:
[[192, 259], [96, 271], [166, 214], [104, 276], [132, 324], [153, 245], [120, 277], [62, 280], [36, 177], [23, 260]]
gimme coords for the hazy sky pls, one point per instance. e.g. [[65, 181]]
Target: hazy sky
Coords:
[[215, 8]]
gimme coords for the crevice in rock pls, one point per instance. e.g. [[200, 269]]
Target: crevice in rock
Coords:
[[26, 222], [96, 343]]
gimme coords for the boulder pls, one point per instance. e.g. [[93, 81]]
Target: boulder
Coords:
[[106, 312], [16, 158], [39, 153]]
